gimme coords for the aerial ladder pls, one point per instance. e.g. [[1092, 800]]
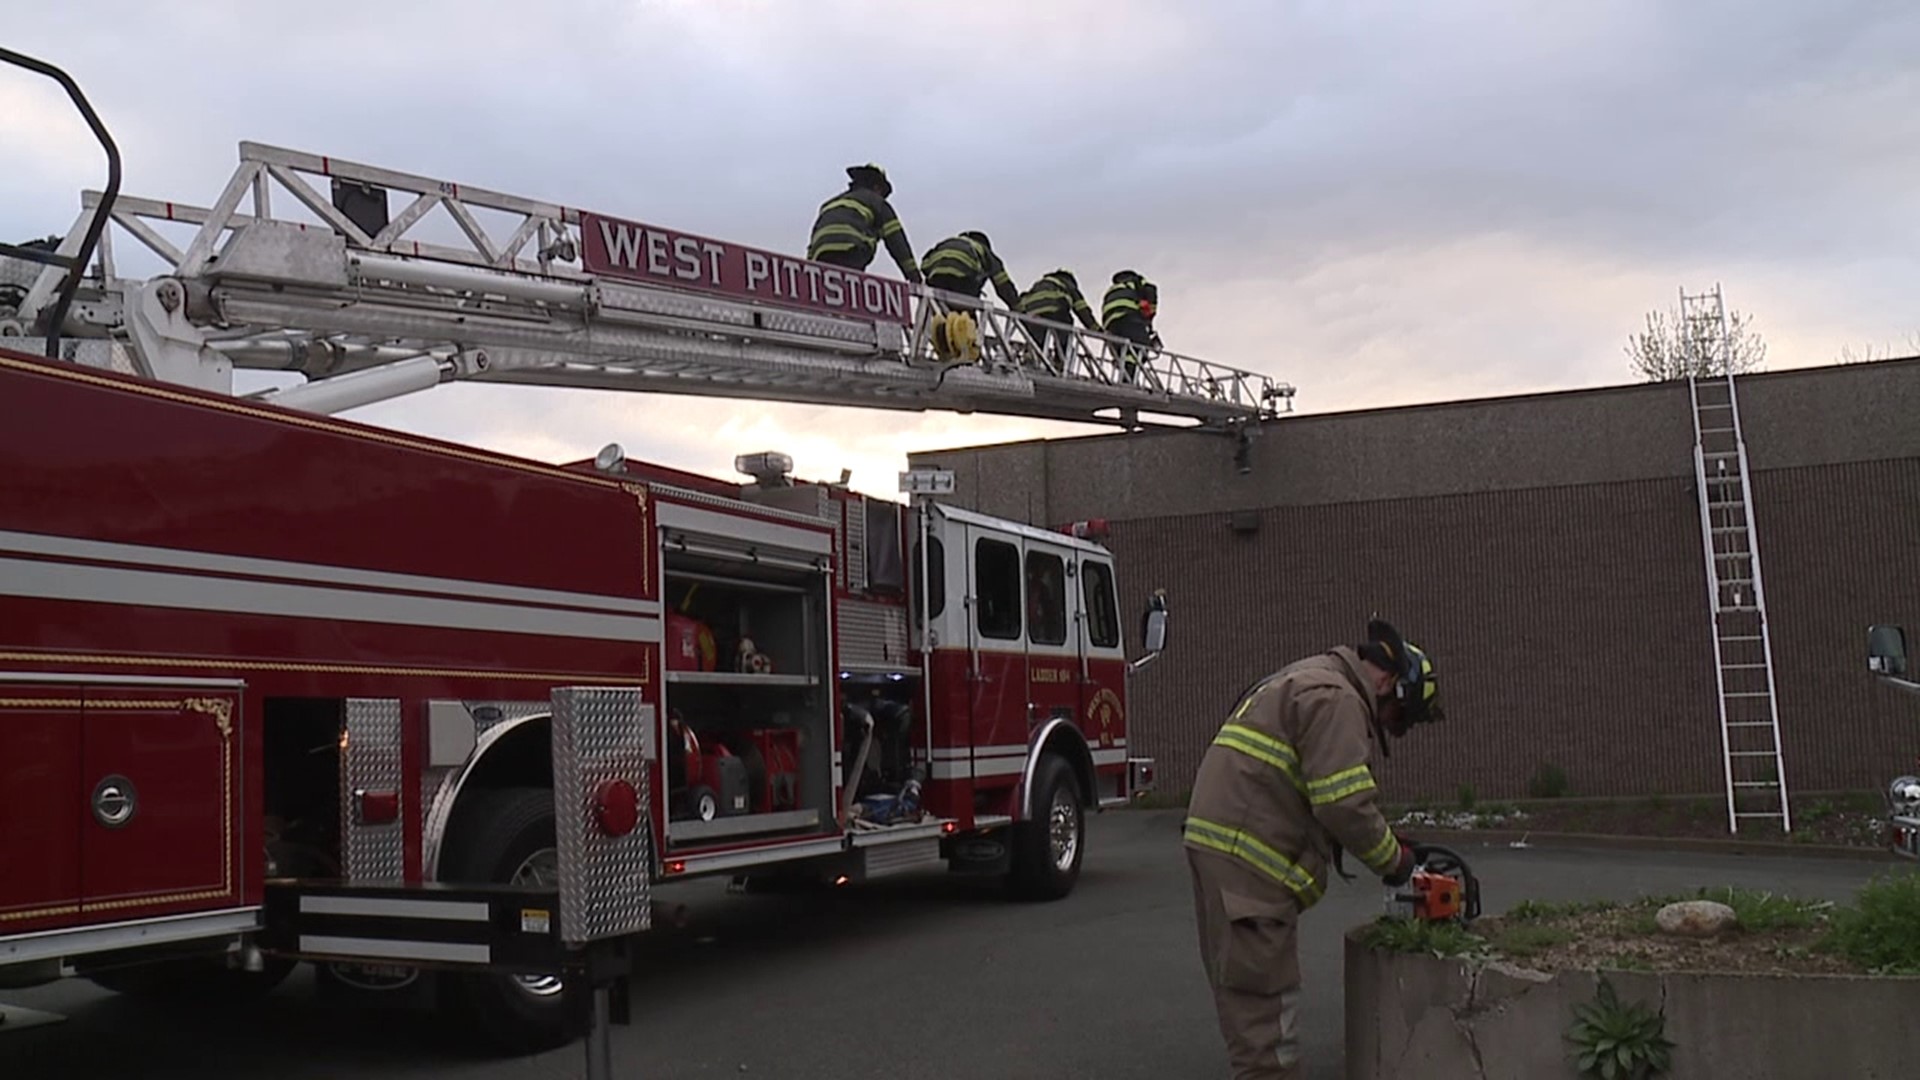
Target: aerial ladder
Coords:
[[327, 268]]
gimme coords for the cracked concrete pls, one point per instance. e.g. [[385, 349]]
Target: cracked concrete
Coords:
[[1419, 1015]]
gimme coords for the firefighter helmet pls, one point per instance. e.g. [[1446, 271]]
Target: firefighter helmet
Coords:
[[1416, 686], [871, 175]]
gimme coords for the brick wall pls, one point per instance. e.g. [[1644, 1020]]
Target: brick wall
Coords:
[[1557, 577]]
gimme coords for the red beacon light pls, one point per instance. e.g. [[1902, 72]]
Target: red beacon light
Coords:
[[1089, 529]]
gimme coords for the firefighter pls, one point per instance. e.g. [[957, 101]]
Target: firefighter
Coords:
[[853, 224], [1127, 312], [964, 264], [1056, 298], [1286, 789]]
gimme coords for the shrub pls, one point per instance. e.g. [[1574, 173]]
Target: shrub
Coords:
[[1881, 931], [1549, 782], [1466, 797]]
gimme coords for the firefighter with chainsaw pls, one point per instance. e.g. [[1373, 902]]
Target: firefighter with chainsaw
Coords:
[[852, 225], [1285, 791], [1056, 298], [1127, 312]]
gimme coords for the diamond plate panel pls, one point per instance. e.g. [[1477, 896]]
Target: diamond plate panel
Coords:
[[856, 549], [872, 636], [599, 734], [372, 763]]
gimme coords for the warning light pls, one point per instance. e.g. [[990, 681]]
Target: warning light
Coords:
[[949, 827], [616, 807], [676, 867], [841, 880]]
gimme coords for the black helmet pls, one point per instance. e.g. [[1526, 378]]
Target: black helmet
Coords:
[[978, 237], [1416, 685], [870, 175], [1121, 277], [1066, 276]]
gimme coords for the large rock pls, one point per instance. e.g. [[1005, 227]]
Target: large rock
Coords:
[[1695, 918]]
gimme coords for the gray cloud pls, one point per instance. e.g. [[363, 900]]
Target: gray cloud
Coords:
[[1380, 202]]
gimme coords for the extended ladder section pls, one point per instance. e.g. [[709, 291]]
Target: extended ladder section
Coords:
[[357, 291], [1743, 648]]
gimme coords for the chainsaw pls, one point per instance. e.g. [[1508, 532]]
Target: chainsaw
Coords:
[[1442, 888]]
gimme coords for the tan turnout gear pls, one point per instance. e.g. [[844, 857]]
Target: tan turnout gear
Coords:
[[1286, 786]]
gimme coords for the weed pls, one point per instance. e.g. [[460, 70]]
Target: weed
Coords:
[[1627, 961], [1619, 1042], [1549, 782], [1819, 811], [1466, 797], [1525, 940], [1416, 936], [1760, 911], [1881, 931]]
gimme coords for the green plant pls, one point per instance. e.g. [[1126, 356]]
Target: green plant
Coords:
[[1530, 940], [1615, 1041], [1466, 796], [1417, 936], [1759, 910], [1881, 931], [1549, 781]]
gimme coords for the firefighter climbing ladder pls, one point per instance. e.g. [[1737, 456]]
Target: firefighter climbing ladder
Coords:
[[1743, 647], [367, 306]]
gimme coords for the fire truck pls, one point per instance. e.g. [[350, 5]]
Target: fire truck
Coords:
[[278, 686]]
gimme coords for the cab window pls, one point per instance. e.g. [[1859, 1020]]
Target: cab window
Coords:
[[1046, 599], [1103, 613], [996, 573]]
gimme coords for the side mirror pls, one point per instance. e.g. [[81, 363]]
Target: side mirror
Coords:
[[1156, 630], [1887, 650], [1153, 630]]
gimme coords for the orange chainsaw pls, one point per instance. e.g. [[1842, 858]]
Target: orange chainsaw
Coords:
[[1442, 888]]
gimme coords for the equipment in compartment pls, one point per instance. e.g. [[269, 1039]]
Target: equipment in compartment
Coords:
[[705, 780], [690, 642]]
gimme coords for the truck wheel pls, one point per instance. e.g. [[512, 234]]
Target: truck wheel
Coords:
[[507, 835], [1047, 852], [703, 802]]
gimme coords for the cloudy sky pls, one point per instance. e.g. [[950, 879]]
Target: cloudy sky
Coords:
[[1380, 203]]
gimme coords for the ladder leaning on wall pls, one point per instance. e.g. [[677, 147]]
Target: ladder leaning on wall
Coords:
[[1742, 641]]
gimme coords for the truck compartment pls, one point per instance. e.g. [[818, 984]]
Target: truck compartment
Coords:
[[749, 741]]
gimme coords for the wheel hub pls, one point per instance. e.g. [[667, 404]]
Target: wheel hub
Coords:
[[1063, 832]]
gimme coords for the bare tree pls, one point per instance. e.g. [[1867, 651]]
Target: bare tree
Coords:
[[1663, 351], [1867, 354]]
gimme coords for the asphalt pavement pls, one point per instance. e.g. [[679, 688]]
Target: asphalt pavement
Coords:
[[908, 979]]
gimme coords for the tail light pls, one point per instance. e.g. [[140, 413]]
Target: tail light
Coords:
[[375, 807]]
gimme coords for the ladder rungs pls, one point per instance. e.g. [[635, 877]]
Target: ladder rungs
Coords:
[[1726, 505], [1744, 608], [1732, 581], [1742, 637], [1750, 753], [1733, 554], [1718, 430], [1757, 783], [1743, 667], [1749, 723], [1760, 813], [1716, 405], [1725, 529], [1747, 693]]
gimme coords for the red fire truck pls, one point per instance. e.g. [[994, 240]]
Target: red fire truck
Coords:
[[279, 687]]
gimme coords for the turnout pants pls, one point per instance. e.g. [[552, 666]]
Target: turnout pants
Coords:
[[1248, 948]]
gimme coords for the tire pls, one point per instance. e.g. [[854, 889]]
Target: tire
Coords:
[[702, 803], [504, 832], [1047, 852]]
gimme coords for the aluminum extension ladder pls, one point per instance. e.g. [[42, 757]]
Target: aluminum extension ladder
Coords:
[[1756, 779]]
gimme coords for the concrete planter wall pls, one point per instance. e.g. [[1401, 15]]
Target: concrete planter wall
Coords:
[[1448, 1019]]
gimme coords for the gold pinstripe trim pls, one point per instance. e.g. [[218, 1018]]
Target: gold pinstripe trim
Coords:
[[645, 677], [312, 423], [220, 710]]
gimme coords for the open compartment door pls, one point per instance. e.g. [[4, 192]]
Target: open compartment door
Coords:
[[601, 745]]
